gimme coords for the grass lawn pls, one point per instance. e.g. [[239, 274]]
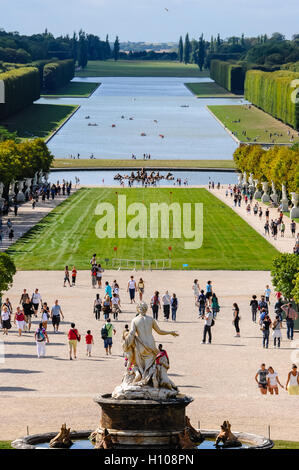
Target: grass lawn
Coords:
[[139, 68], [110, 163], [38, 120], [67, 236], [255, 122], [209, 90], [286, 445], [73, 90], [5, 445]]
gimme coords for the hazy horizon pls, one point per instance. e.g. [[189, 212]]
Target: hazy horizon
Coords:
[[151, 20]]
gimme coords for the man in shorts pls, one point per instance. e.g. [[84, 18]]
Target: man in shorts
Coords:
[[261, 379], [55, 316], [108, 340]]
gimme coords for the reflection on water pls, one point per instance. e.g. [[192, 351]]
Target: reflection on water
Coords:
[[154, 107], [100, 178]]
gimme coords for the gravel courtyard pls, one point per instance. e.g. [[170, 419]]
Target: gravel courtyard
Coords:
[[44, 393]]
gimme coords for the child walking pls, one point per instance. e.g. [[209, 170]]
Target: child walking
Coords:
[[89, 343]]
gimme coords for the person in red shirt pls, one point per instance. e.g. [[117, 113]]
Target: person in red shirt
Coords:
[[89, 343], [19, 320], [73, 337], [74, 275]]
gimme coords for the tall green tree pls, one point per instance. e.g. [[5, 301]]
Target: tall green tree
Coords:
[[108, 48], [187, 49], [82, 50], [218, 43], [181, 50], [284, 272], [7, 272], [116, 49], [201, 52]]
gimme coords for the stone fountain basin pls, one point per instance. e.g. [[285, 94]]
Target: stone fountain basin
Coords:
[[253, 441]]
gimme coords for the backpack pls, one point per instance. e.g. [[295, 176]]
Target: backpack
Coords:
[[104, 332], [40, 336]]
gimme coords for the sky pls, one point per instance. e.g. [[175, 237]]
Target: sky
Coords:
[[151, 20]]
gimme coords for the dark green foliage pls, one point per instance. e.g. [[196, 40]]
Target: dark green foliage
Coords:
[[181, 49], [221, 56], [7, 272], [284, 271], [22, 87], [272, 92], [116, 49], [229, 75], [58, 74], [187, 49]]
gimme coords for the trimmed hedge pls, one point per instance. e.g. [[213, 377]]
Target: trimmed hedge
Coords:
[[229, 75], [271, 91], [58, 74], [22, 87], [292, 66]]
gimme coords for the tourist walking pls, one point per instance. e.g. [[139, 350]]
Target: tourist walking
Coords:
[[19, 320], [277, 336], [28, 312], [94, 270], [166, 300], [291, 316], [208, 325], [107, 306], [155, 304], [196, 289], [267, 294], [36, 299], [24, 297], [254, 306], [132, 289], [215, 305], [266, 330], [236, 319], [202, 302], [209, 292], [74, 276], [56, 312], [140, 287], [273, 381], [73, 337], [174, 306], [107, 332], [108, 289], [5, 320], [115, 306], [40, 338], [45, 315], [89, 342], [100, 271], [97, 307], [261, 379], [292, 385], [66, 277]]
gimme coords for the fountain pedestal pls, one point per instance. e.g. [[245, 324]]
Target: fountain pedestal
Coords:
[[143, 423]]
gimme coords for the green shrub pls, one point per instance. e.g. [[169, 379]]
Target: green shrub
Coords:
[[58, 74], [271, 91], [22, 87], [228, 74]]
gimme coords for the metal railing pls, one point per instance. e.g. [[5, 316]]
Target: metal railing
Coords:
[[141, 264]]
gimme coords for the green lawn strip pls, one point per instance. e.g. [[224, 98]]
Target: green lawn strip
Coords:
[[255, 122], [286, 445], [38, 120], [5, 445], [67, 235], [112, 163], [209, 90], [74, 90], [140, 68], [296, 219]]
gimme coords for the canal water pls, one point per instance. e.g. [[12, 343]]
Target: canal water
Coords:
[[156, 116]]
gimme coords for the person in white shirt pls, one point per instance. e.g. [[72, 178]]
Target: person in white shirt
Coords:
[[132, 289], [208, 325], [36, 299], [166, 299], [267, 294], [273, 381]]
